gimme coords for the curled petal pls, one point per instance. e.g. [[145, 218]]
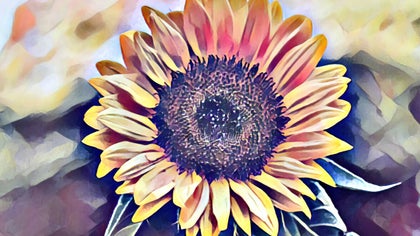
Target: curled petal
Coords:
[[185, 186], [141, 164], [194, 206], [91, 117], [107, 67], [240, 213]]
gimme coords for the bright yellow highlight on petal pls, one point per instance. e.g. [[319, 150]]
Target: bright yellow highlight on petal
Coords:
[[209, 33]]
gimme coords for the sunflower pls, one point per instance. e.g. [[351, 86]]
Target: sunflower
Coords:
[[221, 110]]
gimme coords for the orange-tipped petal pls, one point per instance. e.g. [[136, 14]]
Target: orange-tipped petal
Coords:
[[146, 210], [198, 29], [276, 16], [220, 195], [296, 66], [193, 231], [223, 23], [169, 43], [312, 120], [107, 67], [185, 185], [128, 51], [195, 206]]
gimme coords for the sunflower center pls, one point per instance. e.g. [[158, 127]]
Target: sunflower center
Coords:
[[217, 118], [220, 118]]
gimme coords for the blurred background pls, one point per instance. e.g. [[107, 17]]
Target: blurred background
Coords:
[[48, 51]]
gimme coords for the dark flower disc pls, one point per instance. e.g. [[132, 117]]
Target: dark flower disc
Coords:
[[220, 118]]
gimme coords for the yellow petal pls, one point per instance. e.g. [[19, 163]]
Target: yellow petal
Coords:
[[126, 150], [240, 213], [126, 187], [107, 67], [254, 203], [91, 117], [103, 169], [198, 29], [285, 204], [208, 226], [324, 176], [146, 210], [140, 165], [275, 184], [270, 226], [129, 124], [286, 167], [328, 71], [192, 231], [314, 94], [318, 119], [296, 66], [185, 186], [194, 206], [220, 194], [256, 29], [298, 185], [312, 145], [104, 88], [110, 101], [169, 43]]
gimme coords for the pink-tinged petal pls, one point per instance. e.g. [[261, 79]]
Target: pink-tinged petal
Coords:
[[240, 13], [169, 43], [296, 66], [223, 22], [198, 29], [177, 17], [256, 29], [318, 119], [195, 206], [291, 33], [107, 67], [314, 93], [154, 185]]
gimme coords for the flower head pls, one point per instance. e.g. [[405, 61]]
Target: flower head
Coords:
[[221, 110]]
